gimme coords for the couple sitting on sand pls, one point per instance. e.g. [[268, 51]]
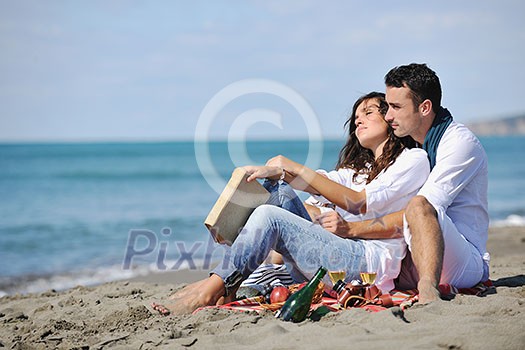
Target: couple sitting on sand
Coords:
[[388, 195]]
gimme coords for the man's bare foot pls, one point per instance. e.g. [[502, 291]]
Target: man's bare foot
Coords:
[[189, 289], [428, 292], [274, 258]]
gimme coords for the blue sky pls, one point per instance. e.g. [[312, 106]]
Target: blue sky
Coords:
[[145, 70]]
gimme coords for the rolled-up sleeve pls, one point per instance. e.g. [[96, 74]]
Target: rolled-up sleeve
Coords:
[[455, 167]]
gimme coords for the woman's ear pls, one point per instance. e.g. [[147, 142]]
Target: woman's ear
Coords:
[[425, 107]]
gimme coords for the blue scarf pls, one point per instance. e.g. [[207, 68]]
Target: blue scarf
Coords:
[[441, 122]]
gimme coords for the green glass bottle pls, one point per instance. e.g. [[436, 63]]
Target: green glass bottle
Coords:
[[296, 308]]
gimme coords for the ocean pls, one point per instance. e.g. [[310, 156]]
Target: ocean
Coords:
[[89, 213]]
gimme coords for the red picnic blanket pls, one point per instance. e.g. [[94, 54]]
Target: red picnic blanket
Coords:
[[403, 299]]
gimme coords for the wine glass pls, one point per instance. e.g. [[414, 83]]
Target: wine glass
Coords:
[[368, 277], [336, 276]]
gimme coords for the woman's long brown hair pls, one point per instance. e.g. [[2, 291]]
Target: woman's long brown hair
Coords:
[[361, 159]]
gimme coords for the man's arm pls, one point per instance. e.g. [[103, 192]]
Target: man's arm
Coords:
[[388, 226]]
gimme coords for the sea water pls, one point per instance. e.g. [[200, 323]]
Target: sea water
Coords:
[[89, 213]]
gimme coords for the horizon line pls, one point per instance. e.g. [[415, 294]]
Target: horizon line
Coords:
[[153, 140]]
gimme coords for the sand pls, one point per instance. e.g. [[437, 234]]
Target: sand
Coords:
[[117, 316]]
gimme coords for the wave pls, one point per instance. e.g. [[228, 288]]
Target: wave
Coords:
[[510, 221], [92, 175], [126, 176], [29, 284]]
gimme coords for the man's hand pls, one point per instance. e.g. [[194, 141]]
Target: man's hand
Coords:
[[333, 222]]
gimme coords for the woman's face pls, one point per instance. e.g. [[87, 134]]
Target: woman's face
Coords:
[[371, 127]]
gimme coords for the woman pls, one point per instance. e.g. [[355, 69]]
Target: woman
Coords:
[[376, 175]]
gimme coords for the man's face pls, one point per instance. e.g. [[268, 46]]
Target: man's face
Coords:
[[402, 116]]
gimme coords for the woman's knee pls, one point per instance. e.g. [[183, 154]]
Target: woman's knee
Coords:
[[265, 216], [266, 211], [419, 206]]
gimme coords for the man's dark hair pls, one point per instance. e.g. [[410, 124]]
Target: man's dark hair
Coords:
[[421, 80]]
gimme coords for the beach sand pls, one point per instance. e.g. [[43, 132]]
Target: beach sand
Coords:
[[117, 316]]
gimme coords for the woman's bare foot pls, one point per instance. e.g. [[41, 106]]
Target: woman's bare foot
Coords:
[[189, 289], [210, 291], [161, 309], [427, 292], [232, 296]]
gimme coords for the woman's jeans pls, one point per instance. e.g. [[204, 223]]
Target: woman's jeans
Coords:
[[284, 226], [283, 196]]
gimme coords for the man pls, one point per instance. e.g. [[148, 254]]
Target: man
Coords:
[[446, 224]]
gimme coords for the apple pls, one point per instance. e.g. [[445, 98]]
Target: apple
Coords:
[[279, 294]]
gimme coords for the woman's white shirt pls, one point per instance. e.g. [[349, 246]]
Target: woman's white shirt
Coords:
[[389, 192]]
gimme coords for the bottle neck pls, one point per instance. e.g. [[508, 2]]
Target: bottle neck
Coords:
[[339, 286], [318, 276]]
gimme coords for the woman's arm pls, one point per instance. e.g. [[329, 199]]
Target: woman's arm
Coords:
[[275, 173], [305, 179]]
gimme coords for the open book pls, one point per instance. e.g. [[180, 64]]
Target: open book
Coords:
[[235, 204]]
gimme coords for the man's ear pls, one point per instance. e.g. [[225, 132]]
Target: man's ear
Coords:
[[425, 107]]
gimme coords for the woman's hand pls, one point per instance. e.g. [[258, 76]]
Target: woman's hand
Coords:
[[284, 163], [263, 172], [333, 222]]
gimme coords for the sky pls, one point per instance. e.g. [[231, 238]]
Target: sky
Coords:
[[179, 70]]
